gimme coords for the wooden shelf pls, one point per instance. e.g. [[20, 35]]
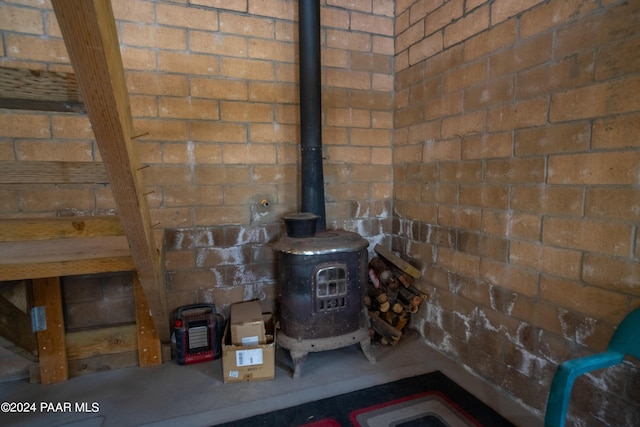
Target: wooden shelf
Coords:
[[23, 89], [45, 172]]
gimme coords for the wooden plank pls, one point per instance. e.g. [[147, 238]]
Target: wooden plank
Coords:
[[64, 257], [149, 346], [398, 262], [20, 230], [24, 89], [89, 31], [45, 172], [106, 362], [98, 342], [66, 268], [51, 343], [15, 325]]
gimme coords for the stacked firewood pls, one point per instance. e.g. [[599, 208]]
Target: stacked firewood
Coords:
[[391, 297]]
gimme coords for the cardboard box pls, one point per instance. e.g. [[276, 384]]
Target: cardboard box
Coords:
[[249, 363], [247, 324]]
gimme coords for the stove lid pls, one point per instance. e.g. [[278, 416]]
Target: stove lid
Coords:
[[325, 242]]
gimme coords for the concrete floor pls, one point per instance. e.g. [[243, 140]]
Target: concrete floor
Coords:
[[194, 395]]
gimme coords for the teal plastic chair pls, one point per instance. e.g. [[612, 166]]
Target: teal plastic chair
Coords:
[[625, 340]]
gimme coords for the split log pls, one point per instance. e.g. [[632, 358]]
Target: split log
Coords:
[[385, 330], [398, 262]]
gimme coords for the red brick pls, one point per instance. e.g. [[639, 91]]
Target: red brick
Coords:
[[566, 73], [595, 168], [616, 274]]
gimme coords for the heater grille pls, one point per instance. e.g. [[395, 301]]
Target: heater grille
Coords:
[[331, 284]]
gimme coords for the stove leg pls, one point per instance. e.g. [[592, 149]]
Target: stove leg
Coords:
[[299, 357], [366, 349]]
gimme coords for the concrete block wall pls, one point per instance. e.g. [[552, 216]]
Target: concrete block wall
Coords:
[[214, 96], [516, 186]]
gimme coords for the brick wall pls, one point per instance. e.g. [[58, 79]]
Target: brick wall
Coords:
[[516, 185], [214, 98]]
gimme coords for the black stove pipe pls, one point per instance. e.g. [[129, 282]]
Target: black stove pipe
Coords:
[[311, 111]]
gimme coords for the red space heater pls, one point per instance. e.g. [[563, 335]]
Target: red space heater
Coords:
[[198, 332]]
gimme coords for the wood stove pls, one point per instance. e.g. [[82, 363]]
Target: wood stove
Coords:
[[323, 276]]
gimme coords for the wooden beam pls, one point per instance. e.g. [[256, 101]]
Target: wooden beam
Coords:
[[35, 172], [102, 341], [21, 230], [90, 35], [15, 325], [149, 346], [51, 342], [23, 89], [64, 257]]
